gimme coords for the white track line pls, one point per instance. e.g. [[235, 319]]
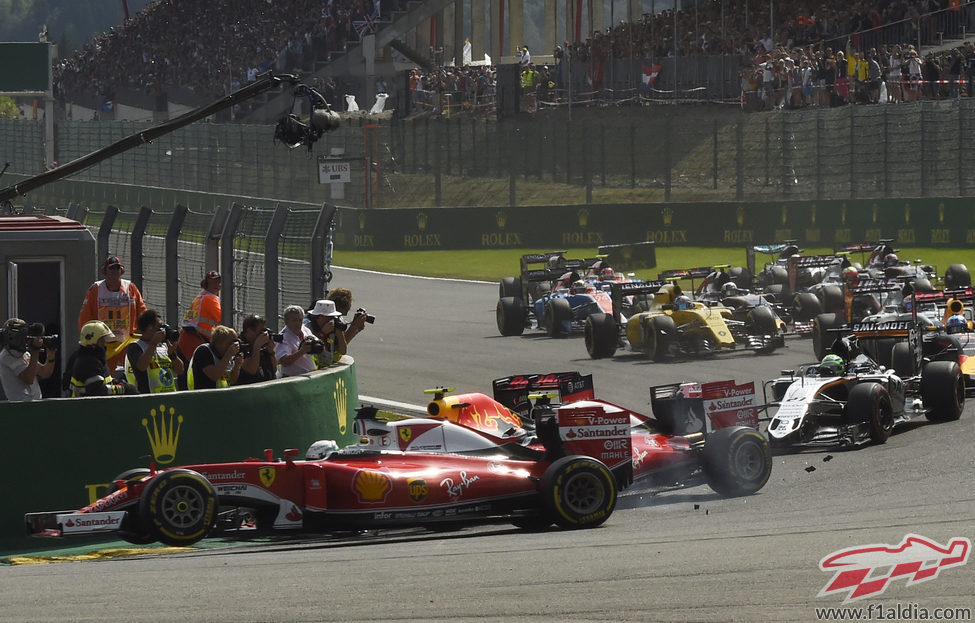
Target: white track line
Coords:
[[391, 403], [379, 272]]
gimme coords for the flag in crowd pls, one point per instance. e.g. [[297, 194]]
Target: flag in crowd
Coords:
[[650, 74]]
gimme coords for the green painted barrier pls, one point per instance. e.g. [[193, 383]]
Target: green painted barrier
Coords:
[[63, 453], [928, 222]]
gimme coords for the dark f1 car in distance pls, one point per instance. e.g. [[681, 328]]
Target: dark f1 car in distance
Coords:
[[427, 472], [849, 399]]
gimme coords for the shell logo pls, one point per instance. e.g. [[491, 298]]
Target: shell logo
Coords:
[[371, 487]]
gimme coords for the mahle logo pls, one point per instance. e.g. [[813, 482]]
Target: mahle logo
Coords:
[[867, 570], [163, 433]]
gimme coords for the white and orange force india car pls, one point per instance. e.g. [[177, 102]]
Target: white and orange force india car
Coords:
[[815, 407], [678, 447]]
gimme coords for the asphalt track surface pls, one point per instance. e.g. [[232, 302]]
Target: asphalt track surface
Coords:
[[679, 555]]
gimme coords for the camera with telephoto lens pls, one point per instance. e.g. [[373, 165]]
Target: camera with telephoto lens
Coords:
[[172, 334], [369, 317], [317, 346], [36, 333], [275, 337]]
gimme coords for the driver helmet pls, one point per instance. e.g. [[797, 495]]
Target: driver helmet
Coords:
[[729, 289], [957, 323], [553, 262], [833, 364], [93, 331], [579, 287], [850, 273], [15, 333], [683, 302], [890, 260], [607, 274]]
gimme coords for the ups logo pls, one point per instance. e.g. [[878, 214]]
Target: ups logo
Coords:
[[417, 489]]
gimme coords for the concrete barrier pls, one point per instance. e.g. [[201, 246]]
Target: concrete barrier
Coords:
[[63, 453]]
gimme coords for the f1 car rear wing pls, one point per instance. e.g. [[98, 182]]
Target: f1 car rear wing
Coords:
[[686, 408], [783, 250], [619, 291], [900, 330], [513, 391], [551, 270]]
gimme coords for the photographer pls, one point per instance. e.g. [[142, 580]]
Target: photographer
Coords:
[[259, 363], [342, 297], [151, 363], [20, 360], [217, 362], [296, 344], [325, 322]]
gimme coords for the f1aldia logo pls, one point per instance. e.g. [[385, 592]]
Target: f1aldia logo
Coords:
[[866, 570]]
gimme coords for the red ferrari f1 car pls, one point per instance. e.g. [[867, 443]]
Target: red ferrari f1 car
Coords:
[[474, 461]]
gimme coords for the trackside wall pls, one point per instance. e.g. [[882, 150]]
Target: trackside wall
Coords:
[[948, 222], [63, 453]]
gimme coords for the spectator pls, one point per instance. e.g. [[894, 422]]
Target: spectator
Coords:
[[204, 314], [118, 303], [343, 304], [325, 323], [23, 361], [151, 364], [215, 363], [90, 374], [292, 351], [259, 362]]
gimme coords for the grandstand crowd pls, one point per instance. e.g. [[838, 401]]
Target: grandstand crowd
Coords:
[[828, 54]]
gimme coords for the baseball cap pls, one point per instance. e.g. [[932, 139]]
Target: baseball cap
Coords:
[[210, 275], [110, 261]]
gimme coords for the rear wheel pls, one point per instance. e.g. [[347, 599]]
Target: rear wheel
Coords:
[[806, 306], [822, 338], [942, 391], [870, 402], [509, 286], [578, 492], [831, 298], [559, 312], [659, 334], [601, 335], [510, 316], [736, 461], [178, 507], [902, 359]]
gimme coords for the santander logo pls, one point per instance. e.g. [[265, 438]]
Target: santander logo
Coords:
[[867, 570]]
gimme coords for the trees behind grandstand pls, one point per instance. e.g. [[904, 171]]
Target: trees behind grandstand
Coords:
[[69, 24]]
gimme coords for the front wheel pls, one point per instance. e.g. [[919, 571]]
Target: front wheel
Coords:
[[178, 507], [578, 492], [737, 461], [872, 402], [601, 335], [806, 306], [510, 314], [822, 338], [559, 313]]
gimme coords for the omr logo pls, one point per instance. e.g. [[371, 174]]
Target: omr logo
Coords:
[[866, 570]]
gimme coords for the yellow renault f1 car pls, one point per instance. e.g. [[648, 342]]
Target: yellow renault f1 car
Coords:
[[676, 326]]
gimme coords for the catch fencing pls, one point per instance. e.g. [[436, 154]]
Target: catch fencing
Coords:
[[270, 256], [638, 154]]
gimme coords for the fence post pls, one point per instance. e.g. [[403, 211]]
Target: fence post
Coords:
[[924, 155], [739, 162], [853, 148], [135, 245], [586, 164], [321, 253], [819, 154], [172, 263], [602, 154], [105, 233], [961, 143], [632, 155], [272, 260], [211, 246], [227, 263], [438, 185], [667, 178], [512, 196], [886, 155], [715, 154], [767, 155]]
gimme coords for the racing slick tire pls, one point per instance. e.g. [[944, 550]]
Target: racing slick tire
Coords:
[[806, 306], [741, 277], [923, 284], [779, 275], [601, 335], [942, 391], [822, 338], [128, 477], [761, 321], [957, 276], [659, 335], [870, 403], [737, 461], [511, 316], [578, 492], [178, 507], [831, 298], [902, 360], [557, 312], [509, 286]]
